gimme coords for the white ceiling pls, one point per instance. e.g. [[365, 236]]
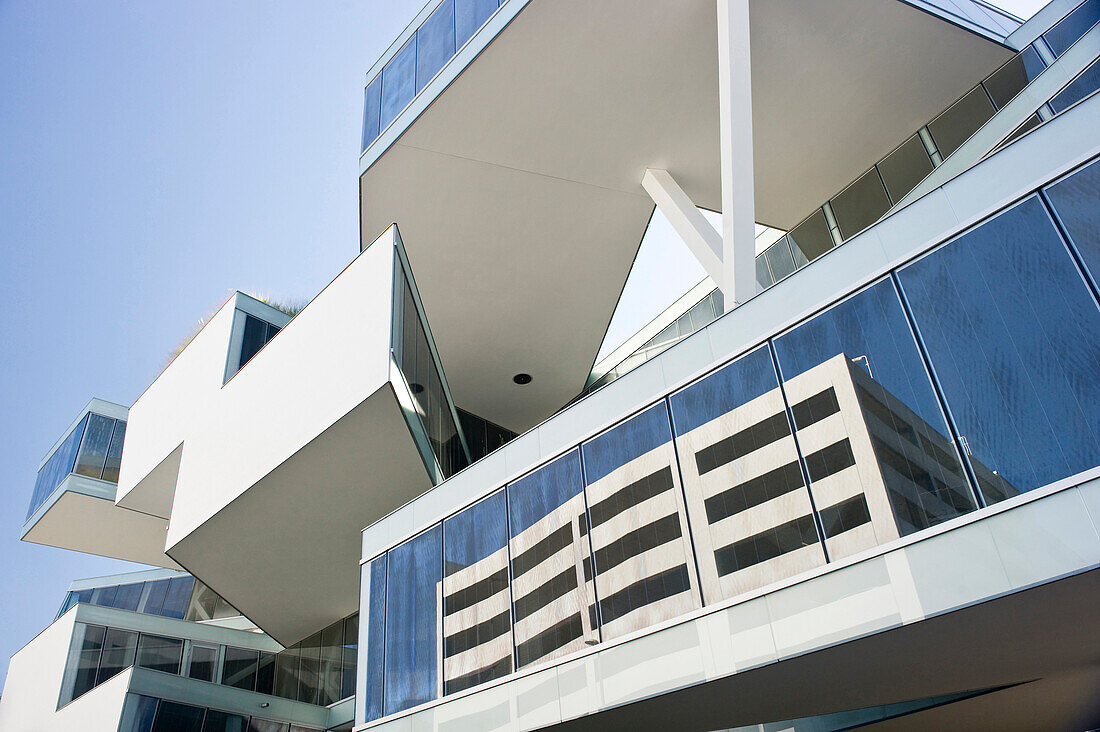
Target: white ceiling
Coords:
[[518, 192]]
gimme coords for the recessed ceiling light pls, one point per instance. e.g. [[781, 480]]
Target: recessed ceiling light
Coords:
[[415, 388], [522, 379]]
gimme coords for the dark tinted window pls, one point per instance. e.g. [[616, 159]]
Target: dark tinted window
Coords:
[[904, 168], [955, 126], [159, 653], [860, 204], [1007, 81], [239, 667]]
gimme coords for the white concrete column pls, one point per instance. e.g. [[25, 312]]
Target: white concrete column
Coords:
[[701, 238], [735, 107]]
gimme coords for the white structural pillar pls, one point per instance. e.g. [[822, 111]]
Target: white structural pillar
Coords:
[[735, 130]]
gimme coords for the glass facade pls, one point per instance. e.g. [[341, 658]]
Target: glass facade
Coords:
[[320, 670], [148, 714], [415, 356], [964, 377], [182, 598], [92, 449], [434, 43], [1073, 26]]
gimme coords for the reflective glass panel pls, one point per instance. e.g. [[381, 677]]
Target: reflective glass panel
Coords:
[[177, 595], [955, 126], [746, 495], [119, 649], [253, 339], [811, 238], [435, 43], [904, 168], [477, 623], [217, 721], [137, 713], [413, 621], [763, 274], [372, 629], [93, 448], [398, 83], [175, 717], [1086, 83], [83, 662], [309, 670], [780, 260], [126, 597], [372, 105], [204, 662], [267, 725], [1007, 81], [57, 468], [552, 597], [265, 673], [202, 603], [286, 673], [350, 656], [159, 653], [1073, 26], [331, 670], [860, 204], [239, 668], [639, 535], [1012, 334], [880, 457], [1076, 202], [155, 592], [471, 15]]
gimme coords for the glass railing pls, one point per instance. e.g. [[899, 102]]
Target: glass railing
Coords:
[[182, 597], [920, 398], [92, 449], [320, 670], [435, 42], [427, 404]]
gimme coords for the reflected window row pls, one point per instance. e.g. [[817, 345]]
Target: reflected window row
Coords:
[[93, 449], [968, 376], [142, 713], [436, 41], [320, 670]]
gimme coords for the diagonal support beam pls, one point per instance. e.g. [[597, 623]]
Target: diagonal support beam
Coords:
[[701, 238], [735, 111]]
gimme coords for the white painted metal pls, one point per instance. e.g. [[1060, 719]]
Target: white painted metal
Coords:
[[738, 278], [688, 221]]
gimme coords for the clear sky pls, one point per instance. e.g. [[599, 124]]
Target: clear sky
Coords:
[[153, 157]]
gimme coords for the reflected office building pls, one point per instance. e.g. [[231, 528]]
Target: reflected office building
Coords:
[[849, 479]]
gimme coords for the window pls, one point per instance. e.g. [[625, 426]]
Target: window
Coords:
[[83, 662], [373, 614], [638, 530], [552, 597], [1072, 27], [398, 83], [435, 43], [860, 204], [904, 168], [204, 662], [239, 668], [477, 622], [160, 653], [93, 448], [742, 479], [1006, 82], [811, 238], [412, 621], [868, 422], [1074, 201], [119, 649], [955, 126], [1011, 331]]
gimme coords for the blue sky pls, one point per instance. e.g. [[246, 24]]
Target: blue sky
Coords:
[[153, 157]]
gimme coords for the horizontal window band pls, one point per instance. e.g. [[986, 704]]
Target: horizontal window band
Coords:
[[742, 443], [477, 592], [493, 671], [830, 460], [542, 550], [846, 515], [645, 592], [476, 635], [814, 409], [766, 545], [631, 495], [546, 593], [550, 640], [754, 491], [638, 541]]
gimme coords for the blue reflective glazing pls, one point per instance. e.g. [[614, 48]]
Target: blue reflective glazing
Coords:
[[374, 625], [412, 621], [372, 111], [398, 83], [1086, 83], [626, 442], [435, 43], [137, 713], [1075, 205], [532, 498], [93, 448], [1073, 26], [471, 15], [57, 468], [475, 534], [1014, 337], [739, 383]]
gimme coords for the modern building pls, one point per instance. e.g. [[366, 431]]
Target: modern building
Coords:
[[850, 479]]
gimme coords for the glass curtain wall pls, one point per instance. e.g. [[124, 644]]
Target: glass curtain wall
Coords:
[[149, 714], [93, 449], [967, 376]]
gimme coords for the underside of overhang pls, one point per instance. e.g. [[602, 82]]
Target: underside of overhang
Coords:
[[518, 188], [94, 525], [286, 551], [1039, 644]]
